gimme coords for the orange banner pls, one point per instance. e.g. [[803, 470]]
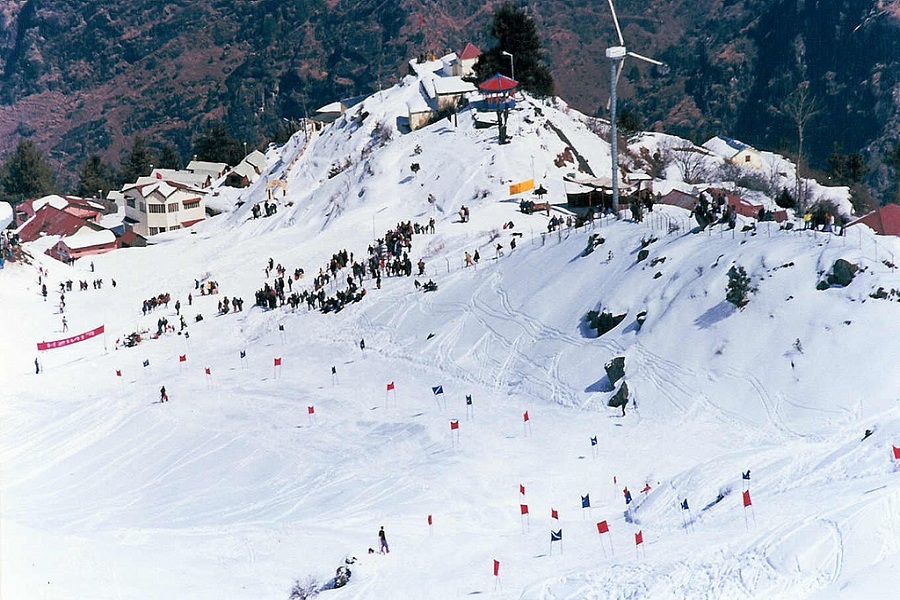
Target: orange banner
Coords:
[[522, 186]]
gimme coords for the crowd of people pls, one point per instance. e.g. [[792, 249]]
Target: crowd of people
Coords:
[[389, 256]]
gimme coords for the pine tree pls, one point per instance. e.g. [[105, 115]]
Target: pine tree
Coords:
[[95, 177], [516, 33], [738, 286], [215, 144], [26, 174], [139, 161]]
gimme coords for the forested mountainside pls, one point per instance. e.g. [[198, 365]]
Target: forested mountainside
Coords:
[[82, 77]]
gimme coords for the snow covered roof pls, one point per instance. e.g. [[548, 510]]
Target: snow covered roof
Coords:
[[245, 169], [725, 147], [257, 159], [452, 85], [334, 107], [215, 170], [57, 202], [417, 104], [199, 179], [6, 214], [87, 238]]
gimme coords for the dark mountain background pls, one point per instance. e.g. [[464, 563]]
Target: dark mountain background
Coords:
[[80, 77]]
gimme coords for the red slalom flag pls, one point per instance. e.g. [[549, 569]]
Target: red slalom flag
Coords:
[[208, 371], [554, 514], [639, 538], [523, 508], [278, 362], [602, 527], [182, 358], [896, 453], [521, 489], [311, 410], [496, 568], [390, 386], [430, 522], [454, 424], [118, 373], [747, 498], [525, 417]]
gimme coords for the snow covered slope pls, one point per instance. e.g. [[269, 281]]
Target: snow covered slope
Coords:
[[233, 489]]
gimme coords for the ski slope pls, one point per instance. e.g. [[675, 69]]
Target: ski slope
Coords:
[[233, 490]]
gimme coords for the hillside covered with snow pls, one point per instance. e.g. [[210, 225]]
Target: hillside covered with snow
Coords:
[[254, 475]]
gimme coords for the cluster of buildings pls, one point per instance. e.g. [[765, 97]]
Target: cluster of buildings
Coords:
[[165, 200]]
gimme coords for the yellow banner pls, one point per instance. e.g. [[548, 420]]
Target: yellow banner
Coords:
[[522, 186]]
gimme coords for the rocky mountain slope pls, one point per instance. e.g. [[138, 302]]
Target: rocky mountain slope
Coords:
[[81, 77]]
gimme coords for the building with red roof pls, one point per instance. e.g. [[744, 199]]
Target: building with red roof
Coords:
[[884, 221]]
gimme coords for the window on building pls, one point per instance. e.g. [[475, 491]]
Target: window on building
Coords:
[[157, 208], [173, 207], [154, 230], [747, 158], [143, 208], [189, 204], [174, 227], [130, 202]]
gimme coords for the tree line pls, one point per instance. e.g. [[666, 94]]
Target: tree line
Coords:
[[27, 172]]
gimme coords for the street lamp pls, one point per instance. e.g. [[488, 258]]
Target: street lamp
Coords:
[[512, 64]]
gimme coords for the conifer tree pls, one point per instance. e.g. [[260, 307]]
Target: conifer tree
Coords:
[[26, 174], [516, 33], [95, 177]]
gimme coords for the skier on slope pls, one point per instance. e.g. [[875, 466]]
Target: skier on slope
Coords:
[[163, 396]]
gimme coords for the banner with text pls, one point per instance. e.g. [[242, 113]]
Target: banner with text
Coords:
[[70, 340]]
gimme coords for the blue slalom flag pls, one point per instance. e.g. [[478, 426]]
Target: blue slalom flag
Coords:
[[556, 536], [146, 363], [684, 505], [243, 354], [586, 501], [468, 400], [187, 335], [438, 389], [594, 441], [746, 475]]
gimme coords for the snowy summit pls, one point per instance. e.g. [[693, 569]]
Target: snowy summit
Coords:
[[344, 365]]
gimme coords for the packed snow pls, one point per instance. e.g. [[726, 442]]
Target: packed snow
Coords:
[[254, 476]]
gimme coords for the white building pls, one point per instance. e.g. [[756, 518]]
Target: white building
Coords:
[[155, 206], [734, 151]]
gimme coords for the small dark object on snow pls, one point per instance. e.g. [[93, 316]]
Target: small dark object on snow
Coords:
[[341, 576], [867, 433]]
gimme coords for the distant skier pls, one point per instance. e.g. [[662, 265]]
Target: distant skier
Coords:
[[65, 325], [37, 367], [362, 345], [383, 541], [163, 396]]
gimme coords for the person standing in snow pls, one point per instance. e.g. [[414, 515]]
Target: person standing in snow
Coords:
[[37, 367], [383, 541], [362, 345], [65, 325], [163, 396]]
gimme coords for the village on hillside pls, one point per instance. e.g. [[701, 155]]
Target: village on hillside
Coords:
[[705, 180]]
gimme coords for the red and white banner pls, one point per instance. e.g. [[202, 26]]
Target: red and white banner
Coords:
[[71, 340]]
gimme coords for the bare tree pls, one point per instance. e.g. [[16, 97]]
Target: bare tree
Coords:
[[800, 107], [691, 164]]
